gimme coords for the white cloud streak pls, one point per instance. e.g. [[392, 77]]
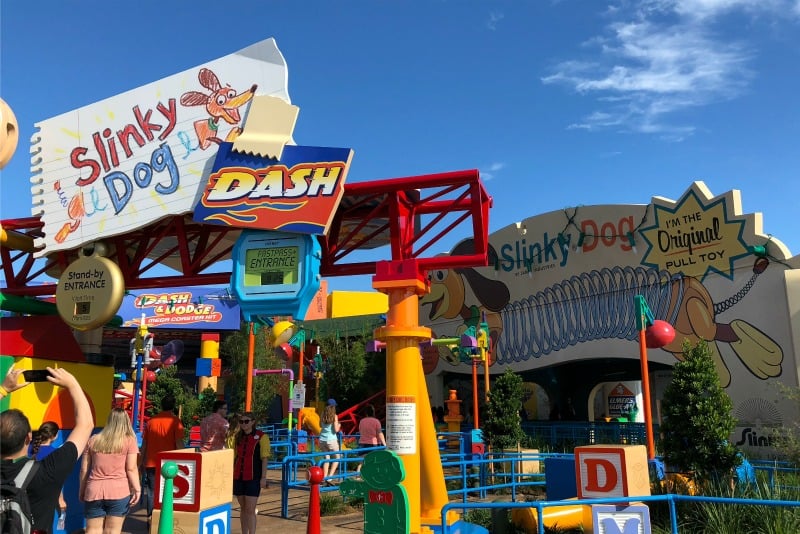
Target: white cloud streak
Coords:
[[494, 18], [491, 172], [660, 57]]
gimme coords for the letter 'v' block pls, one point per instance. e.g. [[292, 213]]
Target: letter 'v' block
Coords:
[[611, 471]]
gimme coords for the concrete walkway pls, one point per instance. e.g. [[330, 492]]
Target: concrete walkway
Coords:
[[269, 515]]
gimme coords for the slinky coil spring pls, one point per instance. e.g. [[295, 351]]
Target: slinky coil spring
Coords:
[[587, 307]]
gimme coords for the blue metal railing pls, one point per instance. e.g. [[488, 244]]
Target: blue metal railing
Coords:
[[670, 499], [474, 475]]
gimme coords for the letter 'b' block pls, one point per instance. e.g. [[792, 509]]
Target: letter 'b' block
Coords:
[[611, 471]]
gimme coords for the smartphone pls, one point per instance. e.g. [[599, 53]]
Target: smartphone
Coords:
[[37, 375]]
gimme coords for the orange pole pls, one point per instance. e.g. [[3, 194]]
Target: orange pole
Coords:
[[648, 417], [302, 357], [475, 391], [251, 348]]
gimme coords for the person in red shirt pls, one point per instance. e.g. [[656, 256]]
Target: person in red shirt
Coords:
[[251, 460], [214, 428], [164, 432]]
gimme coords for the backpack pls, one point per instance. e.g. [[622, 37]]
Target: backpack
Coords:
[[15, 510]]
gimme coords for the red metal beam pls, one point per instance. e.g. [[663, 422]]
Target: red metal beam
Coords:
[[409, 214]]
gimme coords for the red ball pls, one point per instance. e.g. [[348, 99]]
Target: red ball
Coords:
[[150, 376], [314, 474], [658, 334]]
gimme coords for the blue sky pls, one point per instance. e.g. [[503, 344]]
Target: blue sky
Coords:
[[558, 103]]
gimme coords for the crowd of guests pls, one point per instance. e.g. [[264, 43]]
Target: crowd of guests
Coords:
[[115, 475]]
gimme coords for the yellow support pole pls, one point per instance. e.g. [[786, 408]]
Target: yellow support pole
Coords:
[[409, 426]]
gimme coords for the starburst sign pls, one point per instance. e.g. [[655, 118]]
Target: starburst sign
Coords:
[[696, 235]]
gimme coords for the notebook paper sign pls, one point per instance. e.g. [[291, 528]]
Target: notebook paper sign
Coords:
[[124, 162]]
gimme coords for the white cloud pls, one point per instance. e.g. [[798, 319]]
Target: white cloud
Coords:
[[490, 172], [494, 18], [661, 57]]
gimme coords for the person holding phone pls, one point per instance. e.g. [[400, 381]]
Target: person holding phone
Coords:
[[53, 471], [11, 382]]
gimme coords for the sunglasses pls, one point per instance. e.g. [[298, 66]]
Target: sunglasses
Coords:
[[245, 421]]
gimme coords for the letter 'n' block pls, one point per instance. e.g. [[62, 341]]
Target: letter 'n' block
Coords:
[[215, 520], [611, 471]]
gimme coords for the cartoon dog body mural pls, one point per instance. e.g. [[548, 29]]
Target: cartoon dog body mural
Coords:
[[598, 304], [448, 294]]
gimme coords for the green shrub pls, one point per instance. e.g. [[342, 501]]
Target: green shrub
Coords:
[[697, 418], [502, 426], [330, 505]]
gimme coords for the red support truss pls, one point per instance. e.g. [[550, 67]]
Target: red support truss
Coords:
[[411, 215]]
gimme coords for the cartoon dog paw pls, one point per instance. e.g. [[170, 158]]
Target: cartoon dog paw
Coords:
[[756, 350]]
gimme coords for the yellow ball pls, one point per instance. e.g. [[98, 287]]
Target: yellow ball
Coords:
[[9, 133], [282, 332]]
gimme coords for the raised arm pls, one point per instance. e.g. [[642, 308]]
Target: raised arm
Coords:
[[84, 422]]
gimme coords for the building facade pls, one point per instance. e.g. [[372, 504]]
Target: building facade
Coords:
[[558, 300]]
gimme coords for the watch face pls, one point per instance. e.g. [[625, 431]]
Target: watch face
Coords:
[[270, 266]]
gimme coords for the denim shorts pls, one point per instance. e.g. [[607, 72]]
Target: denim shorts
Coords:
[[104, 507]]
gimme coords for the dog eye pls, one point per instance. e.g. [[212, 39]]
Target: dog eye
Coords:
[[221, 99]]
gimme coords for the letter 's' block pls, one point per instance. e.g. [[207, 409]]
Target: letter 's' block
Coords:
[[216, 520], [611, 471], [204, 480]]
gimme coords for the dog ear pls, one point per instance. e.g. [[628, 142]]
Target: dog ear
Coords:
[[208, 79], [492, 294], [193, 98]]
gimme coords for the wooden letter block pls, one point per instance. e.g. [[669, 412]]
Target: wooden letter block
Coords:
[[205, 479], [611, 471], [216, 520]]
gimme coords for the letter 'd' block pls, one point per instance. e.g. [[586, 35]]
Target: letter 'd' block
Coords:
[[611, 471]]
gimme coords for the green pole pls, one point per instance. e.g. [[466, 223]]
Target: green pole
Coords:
[[165, 523]]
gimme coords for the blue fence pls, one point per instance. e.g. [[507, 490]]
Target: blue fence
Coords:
[[471, 476]]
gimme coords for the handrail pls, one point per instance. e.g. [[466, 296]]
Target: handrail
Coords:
[[670, 498]]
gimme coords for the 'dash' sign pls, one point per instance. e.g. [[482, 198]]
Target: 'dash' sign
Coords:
[[132, 159], [299, 193]]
